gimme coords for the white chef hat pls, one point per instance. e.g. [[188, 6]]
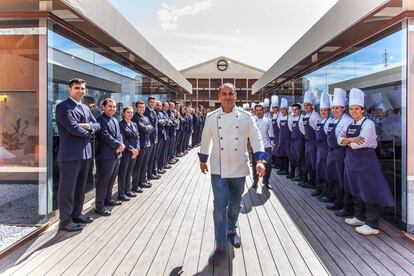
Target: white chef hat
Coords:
[[275, 101], [262, 103], [245, 106], [309, 97], [283, 103], [356, 97], [395, 98], [253, 105], [324, 101], [339, 98]]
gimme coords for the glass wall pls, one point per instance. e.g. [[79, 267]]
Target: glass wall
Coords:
[[23, 136], [106, 77], [378, 67]]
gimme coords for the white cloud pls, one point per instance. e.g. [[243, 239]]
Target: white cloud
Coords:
[[169, 16]]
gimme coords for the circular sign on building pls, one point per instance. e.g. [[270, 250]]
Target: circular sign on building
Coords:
[[222, 65]]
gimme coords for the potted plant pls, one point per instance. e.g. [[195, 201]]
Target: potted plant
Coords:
[[13, 138]]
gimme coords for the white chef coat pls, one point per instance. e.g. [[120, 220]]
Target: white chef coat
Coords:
[[289, 119], [367, 131], [300, 123], [266, 129], [345, 120], [314, 118], [225, 135]]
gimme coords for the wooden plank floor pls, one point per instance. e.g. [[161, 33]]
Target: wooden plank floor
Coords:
[[168, 230]]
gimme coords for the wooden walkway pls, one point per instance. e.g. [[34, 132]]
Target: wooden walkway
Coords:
[[168, 230]]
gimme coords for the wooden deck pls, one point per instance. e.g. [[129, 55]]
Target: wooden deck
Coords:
[[168, 230]]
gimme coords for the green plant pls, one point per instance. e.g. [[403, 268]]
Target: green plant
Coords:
[[13, 139]]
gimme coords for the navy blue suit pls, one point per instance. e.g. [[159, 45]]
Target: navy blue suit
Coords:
[[196, 129], [130, 135], [172, 135], [139, 175], [74, 156], [162, 140], [109, 139], [153, 118]]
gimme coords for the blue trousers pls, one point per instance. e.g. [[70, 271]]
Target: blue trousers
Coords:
[[125, 172], [139, 174], [107, 170], [227, 198]]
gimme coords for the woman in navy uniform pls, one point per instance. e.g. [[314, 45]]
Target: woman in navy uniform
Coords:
[[284, 124], [321, 144], [129, 131], [363, 176], [297, 147]]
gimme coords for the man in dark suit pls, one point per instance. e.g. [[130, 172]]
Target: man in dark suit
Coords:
[[170, 123], [110, 146], [162, 137], [153, 118], [76, 126], [172, 134], [139, 176]]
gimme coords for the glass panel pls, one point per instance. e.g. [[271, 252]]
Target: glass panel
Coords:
[[22, 139]]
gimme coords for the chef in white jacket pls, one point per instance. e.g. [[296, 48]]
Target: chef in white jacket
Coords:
[[224, 141]]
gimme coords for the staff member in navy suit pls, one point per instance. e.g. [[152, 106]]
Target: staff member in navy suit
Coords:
[[153, 118], [139, 177], [363, 176], [76, 126], [130, 134], [110, 146], [165, 108], [162, 137], [196, 129], [173, 134]]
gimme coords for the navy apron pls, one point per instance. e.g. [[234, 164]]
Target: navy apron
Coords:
[[284, 141], [363, 176], [276, 131], [335, 158], [310, 145], [321, 150], [297, 146]]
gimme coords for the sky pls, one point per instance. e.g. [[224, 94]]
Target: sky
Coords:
[[187, 32]]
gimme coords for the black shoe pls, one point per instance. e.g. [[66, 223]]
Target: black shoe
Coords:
[[297, 178], [282, 173], [267, 185], [112, 202], [131, 194], [83, 219], [234, 239], [145, 185], [307, 185], [316, 193], [137, 190], [161, 171], [325, 199], [168, 166], [343, 213], [333, 207], [71, 227], [217, 257], [123, 198], [254, 185], [153, 177], [103, 211], [290, 176]]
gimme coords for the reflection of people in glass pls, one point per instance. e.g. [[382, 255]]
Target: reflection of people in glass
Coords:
[[76, 126], [90, 102], [391, 126], [363, 176]]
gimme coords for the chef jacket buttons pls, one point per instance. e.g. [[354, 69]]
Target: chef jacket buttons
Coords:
[[222, 149], [221, 138], [237, 126], [219, 127], [237, 138], [235, 149], [219, 117]]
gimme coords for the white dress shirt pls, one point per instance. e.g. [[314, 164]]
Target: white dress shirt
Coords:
[[314, 118], [345, 121], [225, 135], [368, 132], [300, 123], [266, 129]]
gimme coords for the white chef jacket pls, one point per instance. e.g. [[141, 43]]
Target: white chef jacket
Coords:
[[367, 131], [314, 118], [266, 129], [225, 135], [289, 119], [327, 121], [345, 121], [300, 123]]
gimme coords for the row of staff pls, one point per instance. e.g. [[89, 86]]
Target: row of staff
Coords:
[[138, 148], [331, 152]]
